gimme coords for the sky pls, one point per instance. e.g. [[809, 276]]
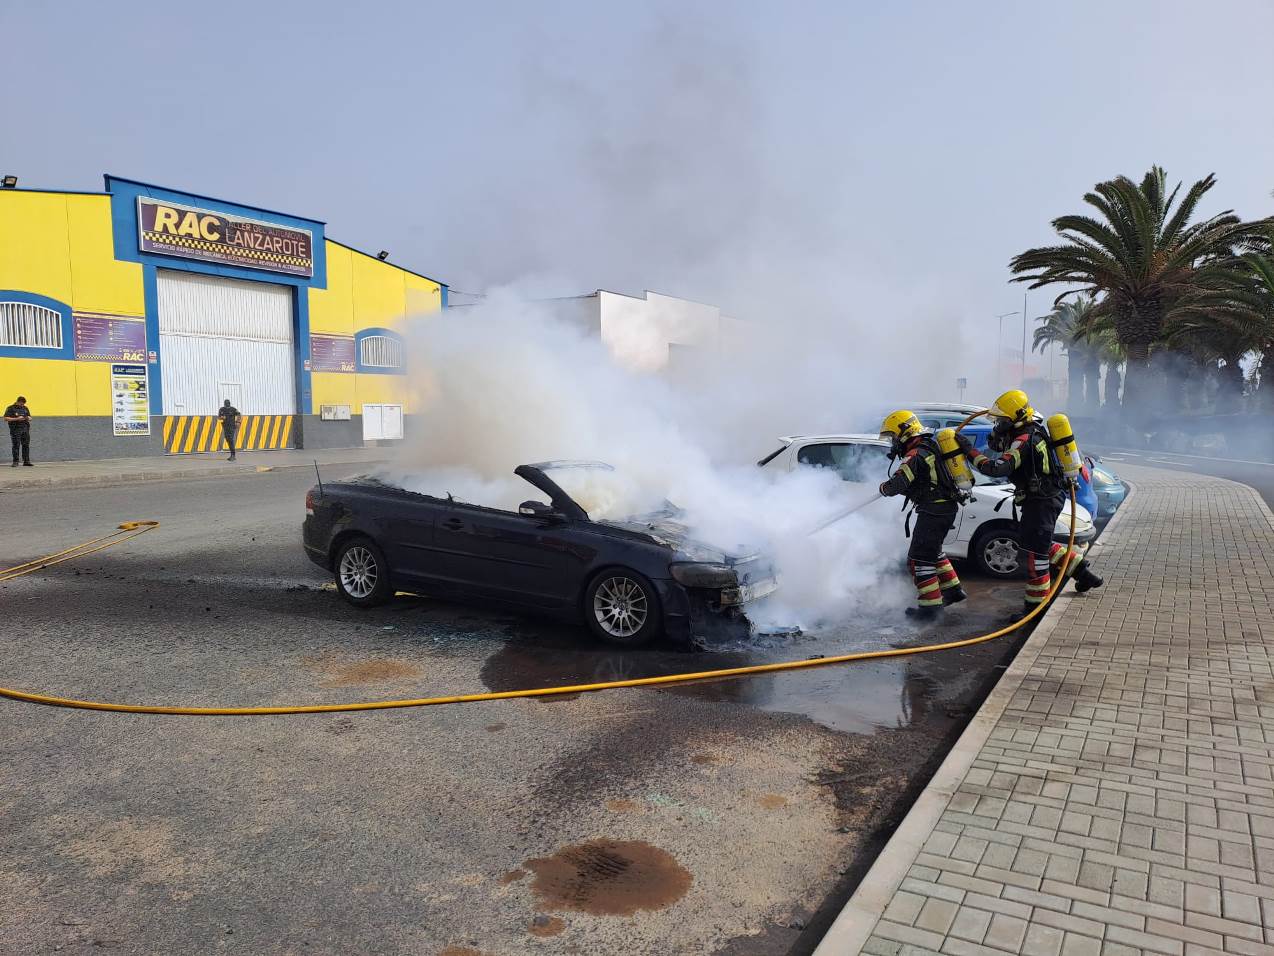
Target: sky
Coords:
[[874, 164]]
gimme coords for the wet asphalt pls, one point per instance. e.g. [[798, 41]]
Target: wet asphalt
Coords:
[[720, 817]]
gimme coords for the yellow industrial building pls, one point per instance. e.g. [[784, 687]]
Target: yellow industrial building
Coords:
[[128, 316]]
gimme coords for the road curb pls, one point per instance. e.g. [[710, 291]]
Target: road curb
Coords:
[[854, 925], [98, 481]]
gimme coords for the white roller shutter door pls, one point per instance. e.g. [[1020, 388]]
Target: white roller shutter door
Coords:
[[214, 330]]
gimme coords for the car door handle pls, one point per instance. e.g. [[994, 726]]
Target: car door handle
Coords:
[[453, 524]]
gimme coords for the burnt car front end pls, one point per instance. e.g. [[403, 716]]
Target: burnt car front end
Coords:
[[705, 591]]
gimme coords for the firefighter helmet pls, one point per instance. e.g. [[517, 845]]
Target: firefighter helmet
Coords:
[[900, 427], [1013, 406]]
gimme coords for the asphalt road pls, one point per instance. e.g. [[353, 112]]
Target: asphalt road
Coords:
[[1258, 474], [728, 817]]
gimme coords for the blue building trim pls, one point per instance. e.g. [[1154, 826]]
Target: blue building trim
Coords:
[[358, 351], [150, 297], [66, 352], [443, 290], [301, 331], [400, 268], [110, 180], [124, 195], [55, 192]]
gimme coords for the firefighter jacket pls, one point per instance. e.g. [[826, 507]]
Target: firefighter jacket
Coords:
[[1025, 459], [919, 479]]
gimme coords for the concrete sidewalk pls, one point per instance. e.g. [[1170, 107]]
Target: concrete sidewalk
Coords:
[[110, 471], [1113, 795]]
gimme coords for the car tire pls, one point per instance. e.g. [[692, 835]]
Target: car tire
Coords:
[[621, 607], [362, 573], [996, 552]]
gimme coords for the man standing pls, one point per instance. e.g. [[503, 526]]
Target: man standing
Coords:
[[1023, 455], [19, 418], [230, 419], [923, 479]]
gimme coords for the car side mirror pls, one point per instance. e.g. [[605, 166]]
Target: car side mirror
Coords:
[[537, 509]]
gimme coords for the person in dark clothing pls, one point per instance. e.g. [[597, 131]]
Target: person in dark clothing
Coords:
[[18, 415], [230, 419], [918, 478], [1023, 455]]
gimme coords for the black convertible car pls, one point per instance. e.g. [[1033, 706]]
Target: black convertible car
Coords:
[[630, 579]]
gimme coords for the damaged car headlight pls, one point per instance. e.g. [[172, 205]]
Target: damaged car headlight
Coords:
[[704, 575]]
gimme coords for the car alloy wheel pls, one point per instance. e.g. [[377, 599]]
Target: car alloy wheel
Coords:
[[620, 607], [1000, 555], [359, 572]]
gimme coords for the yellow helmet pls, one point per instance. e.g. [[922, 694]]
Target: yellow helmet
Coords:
[[900, 426], [1012, 406]]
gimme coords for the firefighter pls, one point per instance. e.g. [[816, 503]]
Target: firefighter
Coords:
[[923, 478], [1023, 452]]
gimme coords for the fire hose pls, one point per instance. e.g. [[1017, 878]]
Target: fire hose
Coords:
[[134, 528]]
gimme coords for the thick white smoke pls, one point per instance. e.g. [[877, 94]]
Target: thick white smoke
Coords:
[[505, 383]]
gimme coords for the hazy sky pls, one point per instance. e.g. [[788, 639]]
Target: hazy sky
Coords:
[[882, 160]]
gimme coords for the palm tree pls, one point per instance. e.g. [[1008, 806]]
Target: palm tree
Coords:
[[1262, 288], [1065, 326], [1141, 256], [1229, 316], [1109, 353]]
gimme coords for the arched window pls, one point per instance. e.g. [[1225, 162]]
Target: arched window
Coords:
[[380, 351], [24, 325]]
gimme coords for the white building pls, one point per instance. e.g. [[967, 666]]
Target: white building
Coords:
[[645, 333]]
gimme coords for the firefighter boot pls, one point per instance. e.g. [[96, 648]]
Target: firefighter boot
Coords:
[[1086, 579], [924, 612], [954, 595]]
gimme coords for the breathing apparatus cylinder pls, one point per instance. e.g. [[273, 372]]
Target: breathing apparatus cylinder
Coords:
[[953, 458], [1062, 438]]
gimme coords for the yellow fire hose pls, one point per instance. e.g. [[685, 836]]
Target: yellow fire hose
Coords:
[[140, 527], [125, 532]]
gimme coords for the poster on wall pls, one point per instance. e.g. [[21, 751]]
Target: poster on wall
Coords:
[[331, 353], [130, 399], [100, 337], [171, 229]]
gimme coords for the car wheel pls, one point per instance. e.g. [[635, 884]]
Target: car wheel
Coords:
[[621, 607], [997, 554], [362, 574]]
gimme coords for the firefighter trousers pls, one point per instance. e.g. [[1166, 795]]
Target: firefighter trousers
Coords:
[[931, 569]]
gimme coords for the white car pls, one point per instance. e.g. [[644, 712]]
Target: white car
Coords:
[[937, 415], [984, 532]]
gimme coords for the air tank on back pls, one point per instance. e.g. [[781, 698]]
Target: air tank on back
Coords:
[[953, 457], [1062, 438]]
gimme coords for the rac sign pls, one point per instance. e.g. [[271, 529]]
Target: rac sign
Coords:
[[187, 232]]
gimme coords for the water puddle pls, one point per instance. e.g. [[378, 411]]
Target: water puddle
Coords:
[[854, 698], [609, 878]]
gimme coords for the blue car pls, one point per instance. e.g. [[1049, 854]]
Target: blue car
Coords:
[[1085, 493], [1110, 490]]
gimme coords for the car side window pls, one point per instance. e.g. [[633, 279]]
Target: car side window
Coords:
[[851, 462]]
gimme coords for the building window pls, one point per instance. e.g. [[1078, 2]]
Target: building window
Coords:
[[380, 351], [24, 325]]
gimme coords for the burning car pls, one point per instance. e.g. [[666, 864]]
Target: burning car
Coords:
[[631, 579]]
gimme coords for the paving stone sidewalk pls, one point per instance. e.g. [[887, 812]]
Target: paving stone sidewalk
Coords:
[[1123, 801]]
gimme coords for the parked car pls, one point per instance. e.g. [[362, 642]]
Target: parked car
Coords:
[[629, 579], [934, 415], [1109, 489], [984, 533]]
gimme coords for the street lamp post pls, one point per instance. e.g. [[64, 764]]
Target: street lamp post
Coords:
[[999, 350], [1024, 315]]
